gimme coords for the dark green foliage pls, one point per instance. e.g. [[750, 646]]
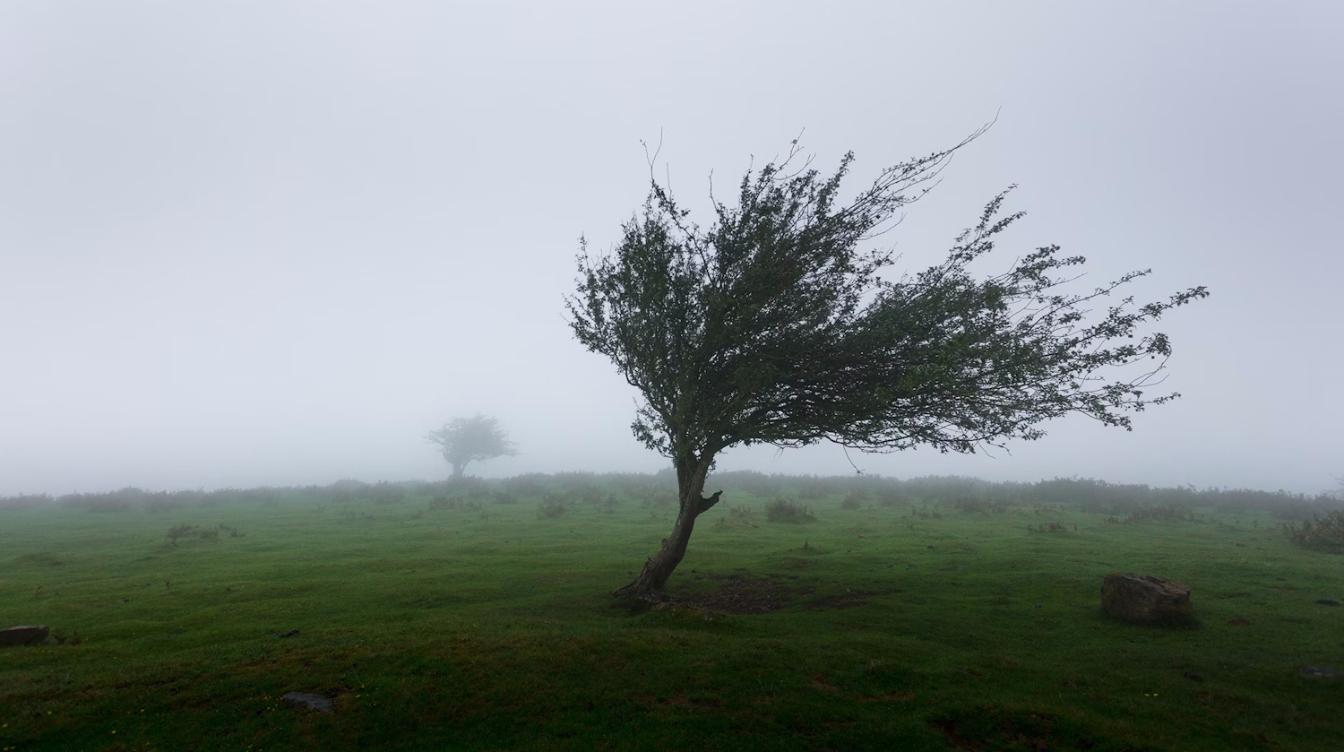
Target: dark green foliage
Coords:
[[773, 324], [1322, 533], [783, 510]]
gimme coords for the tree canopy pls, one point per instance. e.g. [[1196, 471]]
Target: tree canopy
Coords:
[[464, 440], [775, 324]]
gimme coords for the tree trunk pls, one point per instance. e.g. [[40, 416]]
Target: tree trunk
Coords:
[[458, 469], [649, 586]]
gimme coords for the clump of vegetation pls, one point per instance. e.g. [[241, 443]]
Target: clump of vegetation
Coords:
[[447, 502], [466, 440], [738, 517], [1049, 527], [531, 484], [181, 532], [967, 505], [13, 503], [503, 497], [893, 496], [1321, 533], [783, 510], [853, 500], [552, 506], [926, 512], [1162, 514], [386, 493], [164, 504]]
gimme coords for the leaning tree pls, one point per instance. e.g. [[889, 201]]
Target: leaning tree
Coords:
[[464, 440], [772, 325]]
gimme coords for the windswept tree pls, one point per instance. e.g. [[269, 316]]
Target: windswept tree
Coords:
[[771, 325], [464, 440]]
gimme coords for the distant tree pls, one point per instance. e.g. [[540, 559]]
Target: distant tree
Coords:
[[464, 440], [773, 326]]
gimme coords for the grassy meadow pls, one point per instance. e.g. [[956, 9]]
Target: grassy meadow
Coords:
[[946, 616]]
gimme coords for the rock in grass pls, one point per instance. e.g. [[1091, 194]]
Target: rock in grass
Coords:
[[309, 701], [23, 635], [1144, 599], [1328, 601]]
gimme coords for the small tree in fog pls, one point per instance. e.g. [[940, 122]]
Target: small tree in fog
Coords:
[[464, 440], [772, 325]]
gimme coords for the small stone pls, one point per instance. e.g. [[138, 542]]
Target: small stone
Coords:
[[309, 701], [1320, 672], [1328, 601], [23, 635], [1144, 599]]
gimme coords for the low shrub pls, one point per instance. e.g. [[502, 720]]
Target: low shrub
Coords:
[[1321, 533], [854, 500], [180, 532], [1161, 514], [386, 493], [926, 512], [552, 506], [737, 517], [783, 510], [447, 502]]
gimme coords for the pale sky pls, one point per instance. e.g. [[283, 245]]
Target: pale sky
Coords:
[[247, 243]]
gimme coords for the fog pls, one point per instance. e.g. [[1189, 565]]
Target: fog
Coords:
[[278, 242]]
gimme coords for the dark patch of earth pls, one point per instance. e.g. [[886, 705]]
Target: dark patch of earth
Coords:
[[742, 593]]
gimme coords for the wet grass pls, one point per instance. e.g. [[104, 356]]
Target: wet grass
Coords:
[[488, 626]]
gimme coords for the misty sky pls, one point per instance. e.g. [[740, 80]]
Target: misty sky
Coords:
[[270, 242]]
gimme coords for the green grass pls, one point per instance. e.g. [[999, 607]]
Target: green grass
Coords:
[[492, 628]]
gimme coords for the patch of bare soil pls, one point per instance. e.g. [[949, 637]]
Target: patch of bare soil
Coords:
[[847, 599], [741, 594]]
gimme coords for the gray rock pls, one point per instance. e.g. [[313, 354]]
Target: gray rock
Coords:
[[23, 635], [1328, 601], [1143, 599], [1320, 672], [309, 701]]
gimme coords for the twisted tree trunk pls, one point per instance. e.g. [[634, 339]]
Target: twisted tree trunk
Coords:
[[650, 585]]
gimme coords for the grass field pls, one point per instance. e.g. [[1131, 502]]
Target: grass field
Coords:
[[475, 624]]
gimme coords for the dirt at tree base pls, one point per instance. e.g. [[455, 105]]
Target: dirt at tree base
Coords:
[[744, 593]]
